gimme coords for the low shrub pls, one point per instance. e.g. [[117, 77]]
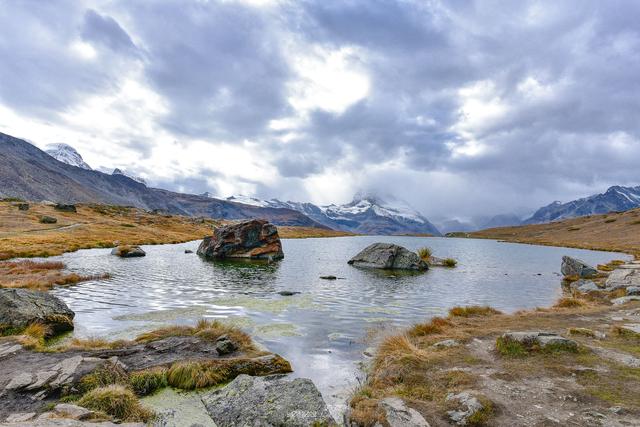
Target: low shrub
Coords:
[[425, 253], [148, 381], [569, 302], [449, 262], [473, 311], [118, 402], [510, 348]]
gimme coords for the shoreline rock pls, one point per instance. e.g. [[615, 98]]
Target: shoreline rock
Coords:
[[268, 401], [575, 267], [126, 251], [20, 308]]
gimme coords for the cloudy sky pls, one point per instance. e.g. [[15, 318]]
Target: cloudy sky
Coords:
[[461, 108]]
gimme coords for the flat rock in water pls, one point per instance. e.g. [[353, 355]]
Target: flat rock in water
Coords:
[[267, 401], [128, 251], [575, 267], [388, 256], [21, 307], [255, 239]]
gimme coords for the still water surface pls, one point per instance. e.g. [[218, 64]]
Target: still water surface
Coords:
[[322, 330]]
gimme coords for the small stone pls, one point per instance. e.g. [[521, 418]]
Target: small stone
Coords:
[[446, 344], [45, 219], [468, 405], [618, 410], [328, 277], [23, 206], [188, 251], [225, 346], [72, 411], [624, 300], [20, 417], [633, 290], [65, 207], [398, 414], [369, 352]]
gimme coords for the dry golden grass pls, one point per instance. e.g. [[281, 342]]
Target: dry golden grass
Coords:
[[408, 365], [93, 226], [208, 330], [596, 232], [287, 232], [39, 275]]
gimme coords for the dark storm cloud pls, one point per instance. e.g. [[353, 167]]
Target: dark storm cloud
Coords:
[[40, 73], [219, 66], [106, 31], [562, 78]]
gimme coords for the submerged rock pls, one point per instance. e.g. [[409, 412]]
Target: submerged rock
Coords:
[[576, 267], [288, 293], [388, 256], [268, 401], [126, 251], [255, 239], [21, 307]]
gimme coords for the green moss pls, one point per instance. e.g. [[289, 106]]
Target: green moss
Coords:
[[510, 348], [483, 416], [104, 376], [148, 381]]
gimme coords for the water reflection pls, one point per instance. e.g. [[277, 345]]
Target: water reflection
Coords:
[[322, 330]]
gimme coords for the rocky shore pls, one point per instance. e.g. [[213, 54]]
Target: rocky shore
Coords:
[[576, 363]]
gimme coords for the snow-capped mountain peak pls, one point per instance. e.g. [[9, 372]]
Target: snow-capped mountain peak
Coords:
[[118, 171], [367, 213], [66, 154]]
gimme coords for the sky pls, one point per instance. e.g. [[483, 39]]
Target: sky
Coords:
[[461, 108]]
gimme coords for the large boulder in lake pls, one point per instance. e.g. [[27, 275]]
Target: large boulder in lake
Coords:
[[255, 239], [576, 267], [21, 307], [268, 401], [388, 256]]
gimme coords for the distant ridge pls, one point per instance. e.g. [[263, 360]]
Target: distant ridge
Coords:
[[366, 214], [31, 174], [615, 199]]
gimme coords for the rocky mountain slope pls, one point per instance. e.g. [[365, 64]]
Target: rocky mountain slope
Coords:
[[66, 154], [31, 174], [615, 199], [366, 214]]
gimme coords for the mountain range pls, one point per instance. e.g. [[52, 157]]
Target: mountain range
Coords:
[[615, 199], [365, 214], [29, 173]]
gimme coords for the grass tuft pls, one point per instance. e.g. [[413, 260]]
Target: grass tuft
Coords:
[[106, 375], [473, 311], [510, 348], [118, 402], [449, 262], [148, 381], [436, 325], [425, 253], [569, 302]]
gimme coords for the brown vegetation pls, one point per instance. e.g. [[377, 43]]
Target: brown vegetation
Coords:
[[409, 366], [611, 232], [39, 275], [287, 232]]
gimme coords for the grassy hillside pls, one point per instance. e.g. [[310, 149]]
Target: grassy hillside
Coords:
[[611, 232], [100, 226]]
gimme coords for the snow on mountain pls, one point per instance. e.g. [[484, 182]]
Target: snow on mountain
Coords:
[[117, 171], [616, 198], [66, 154], [366, 214]]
